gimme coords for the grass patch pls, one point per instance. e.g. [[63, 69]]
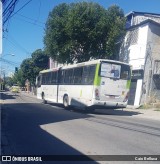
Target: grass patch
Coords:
[[156, 106], [145, 106]]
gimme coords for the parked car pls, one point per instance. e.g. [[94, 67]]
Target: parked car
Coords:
[[15, 88]]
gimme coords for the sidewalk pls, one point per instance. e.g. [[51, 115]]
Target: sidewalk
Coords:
[[29, 94], [150, 113]]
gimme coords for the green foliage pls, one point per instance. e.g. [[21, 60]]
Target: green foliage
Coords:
[[27, 69], [40, 61], [30, 68], [81, 31]]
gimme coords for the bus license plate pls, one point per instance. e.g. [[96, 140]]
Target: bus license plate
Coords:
[[112, 97]]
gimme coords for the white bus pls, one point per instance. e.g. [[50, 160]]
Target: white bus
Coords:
[[98, 82]]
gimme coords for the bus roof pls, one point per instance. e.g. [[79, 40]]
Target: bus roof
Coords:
[[83, 64]]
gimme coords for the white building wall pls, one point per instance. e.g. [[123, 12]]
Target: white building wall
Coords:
[[138, 93], [137, 54], [138, 51]]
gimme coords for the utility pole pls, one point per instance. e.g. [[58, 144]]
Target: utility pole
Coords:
[[1, 83], [0, 27]]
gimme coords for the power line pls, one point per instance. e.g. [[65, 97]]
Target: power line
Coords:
[[16, 44], [31, 19], [20, 8], [35, 23], [39, 10], [8, 10], [9, 62]]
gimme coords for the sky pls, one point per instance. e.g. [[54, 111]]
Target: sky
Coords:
[[24, 32]]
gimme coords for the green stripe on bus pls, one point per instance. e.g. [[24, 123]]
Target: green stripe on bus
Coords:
[[128, 84], [97, 79]]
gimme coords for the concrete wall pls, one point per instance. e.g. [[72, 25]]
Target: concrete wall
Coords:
[[152, 54], [141, 52], [155, 41], [155, 46]]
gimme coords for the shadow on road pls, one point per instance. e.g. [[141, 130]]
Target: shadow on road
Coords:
[[100, 110], [24, 121], [116, 112], [25, 136], [4, 96]]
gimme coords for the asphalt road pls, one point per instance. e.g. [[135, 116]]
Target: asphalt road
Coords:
[[33, 128]]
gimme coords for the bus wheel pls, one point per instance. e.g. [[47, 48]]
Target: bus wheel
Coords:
[[43, 98], [66, 101]]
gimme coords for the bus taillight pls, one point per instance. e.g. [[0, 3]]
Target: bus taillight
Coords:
[[126, 98], [97, 94]]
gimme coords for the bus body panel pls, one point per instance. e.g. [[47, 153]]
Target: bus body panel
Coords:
[[49, 91], [39, 93], [114, 90], [79, 95]]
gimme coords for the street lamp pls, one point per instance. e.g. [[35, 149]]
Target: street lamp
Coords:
[[2, 56]]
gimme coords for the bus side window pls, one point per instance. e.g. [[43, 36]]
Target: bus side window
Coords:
[[49, 77], [77, 75], [43, 79], [125, 72], [85, 75], [124, 75], [54, 78], [91, 74], [88, 74], [61, 76], [68, 76]]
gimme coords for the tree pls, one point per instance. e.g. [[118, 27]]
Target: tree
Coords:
[[18, 78], [116, 32], [77, 32], [40, 60], [31, 67], [27, 68]]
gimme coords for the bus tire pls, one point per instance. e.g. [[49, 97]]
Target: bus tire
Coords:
[[43, 98], [66, 101]]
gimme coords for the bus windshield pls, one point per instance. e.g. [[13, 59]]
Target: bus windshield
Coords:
[[115, 70]]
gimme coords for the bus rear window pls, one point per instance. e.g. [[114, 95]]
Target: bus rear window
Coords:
[[115, 71], [110, 70]]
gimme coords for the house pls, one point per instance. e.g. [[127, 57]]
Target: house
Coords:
[[141, 49]]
